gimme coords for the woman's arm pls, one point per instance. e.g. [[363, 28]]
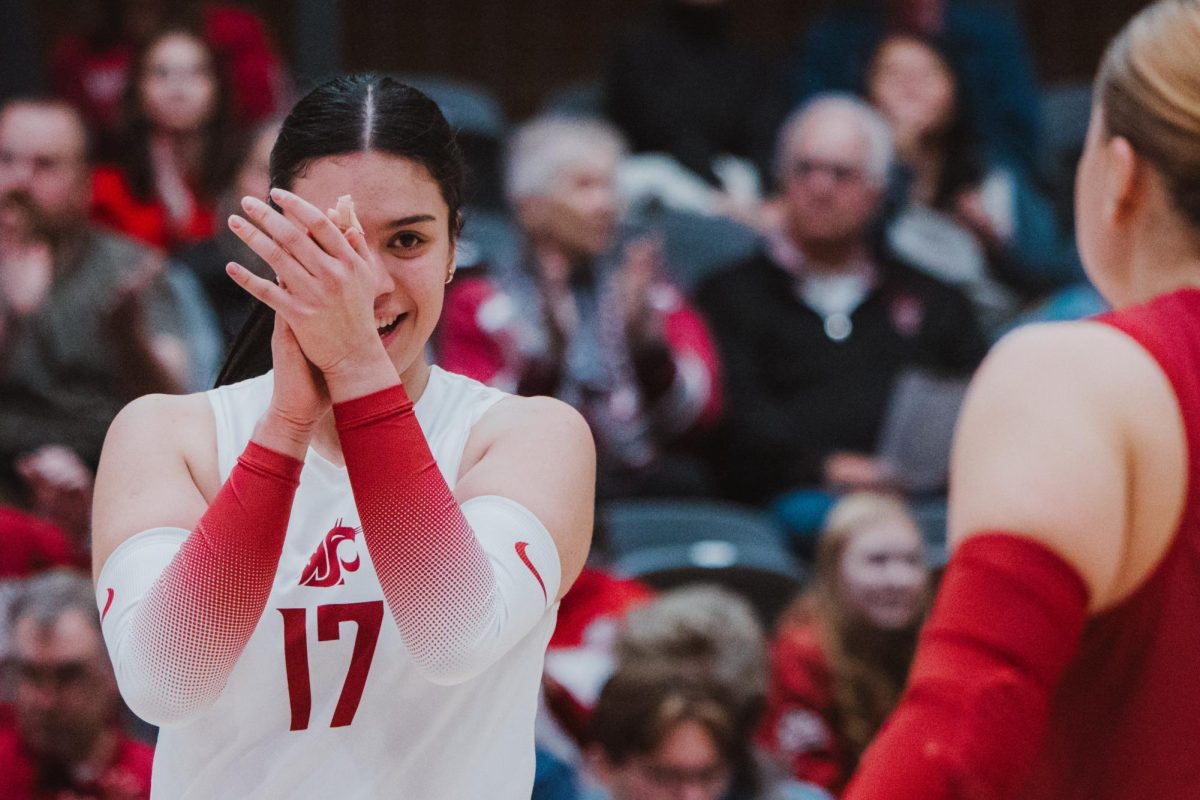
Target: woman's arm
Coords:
[[468, 574], [184, 565]]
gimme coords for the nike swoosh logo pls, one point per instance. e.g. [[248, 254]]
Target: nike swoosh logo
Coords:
[[107, 604], [521, 554]]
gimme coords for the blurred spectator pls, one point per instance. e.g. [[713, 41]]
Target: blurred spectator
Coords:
[[177, 149], [841, 656], [581, 657], [814, 330], [713, 635], [91, 66], [966, 217], [662, 734], [680, 87], [87, 322], [66, 741], [29, 545], [585, 314], [207, 259], [998, 83]]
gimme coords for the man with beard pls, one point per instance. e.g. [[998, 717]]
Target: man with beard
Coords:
[[65, 741], [86, 319]]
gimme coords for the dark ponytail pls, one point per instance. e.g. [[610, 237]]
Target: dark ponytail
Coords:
[[351, 114]]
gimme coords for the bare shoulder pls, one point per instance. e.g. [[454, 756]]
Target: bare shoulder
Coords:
[[164, 410], [1064, 350], [1049, 440], [173, 423], [534, 419], [158, 468]]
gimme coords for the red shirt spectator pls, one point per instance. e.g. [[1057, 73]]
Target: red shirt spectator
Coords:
[[64, 740], [29, 545], [595, 597], [114, 205], [92, 69], [124, 776], [798, 723]]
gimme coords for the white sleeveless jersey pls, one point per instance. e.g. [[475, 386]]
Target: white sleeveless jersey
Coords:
[[325, 702]]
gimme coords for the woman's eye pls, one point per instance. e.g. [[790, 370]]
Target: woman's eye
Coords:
[[406, 241]]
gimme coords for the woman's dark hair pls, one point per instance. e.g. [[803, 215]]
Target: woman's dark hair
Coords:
[[221, 135], [351, 114], [962, 157]]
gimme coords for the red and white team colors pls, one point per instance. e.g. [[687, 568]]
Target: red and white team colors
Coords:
[[325, 701]]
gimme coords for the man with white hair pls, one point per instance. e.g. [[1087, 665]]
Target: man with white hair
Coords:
[[585, 313], [813, 330]]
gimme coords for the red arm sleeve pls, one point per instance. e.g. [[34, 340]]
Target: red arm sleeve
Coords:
[[174, 650], [1007, 622], [459, 596]]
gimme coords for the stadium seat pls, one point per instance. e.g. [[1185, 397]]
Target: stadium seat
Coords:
[[583, 99], [671, 543]]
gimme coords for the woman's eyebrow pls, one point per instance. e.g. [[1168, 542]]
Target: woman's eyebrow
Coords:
[[411, 220]]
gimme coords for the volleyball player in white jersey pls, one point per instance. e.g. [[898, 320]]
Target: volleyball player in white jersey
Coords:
[[314, 588]]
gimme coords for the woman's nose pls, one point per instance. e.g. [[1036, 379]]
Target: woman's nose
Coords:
[[384, 282]]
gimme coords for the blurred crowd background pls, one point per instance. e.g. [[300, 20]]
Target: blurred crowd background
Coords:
[[762, 246]]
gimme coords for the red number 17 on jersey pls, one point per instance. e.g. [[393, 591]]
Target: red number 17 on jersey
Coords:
[[368, 617]]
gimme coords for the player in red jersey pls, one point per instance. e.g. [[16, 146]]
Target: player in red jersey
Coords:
[[1061, 657]]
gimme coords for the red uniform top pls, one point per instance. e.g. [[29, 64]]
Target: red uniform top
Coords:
[[799, 725], [115, 206], [126, 777], [1125, 721]]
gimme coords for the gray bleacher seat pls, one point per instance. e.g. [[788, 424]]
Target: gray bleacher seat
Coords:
[[669, 543]]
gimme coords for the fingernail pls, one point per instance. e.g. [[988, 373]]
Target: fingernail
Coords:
[[277, 193], [235, 221]]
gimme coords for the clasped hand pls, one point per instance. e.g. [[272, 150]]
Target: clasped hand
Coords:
[[323, 302], [327, 285]]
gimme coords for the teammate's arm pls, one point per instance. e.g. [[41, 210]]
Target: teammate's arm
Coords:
[[1040, 487]]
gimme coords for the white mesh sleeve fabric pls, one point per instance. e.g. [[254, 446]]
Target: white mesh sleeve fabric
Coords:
[[178, 607]]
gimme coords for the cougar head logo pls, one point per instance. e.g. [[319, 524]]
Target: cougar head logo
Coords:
[[325, 565]]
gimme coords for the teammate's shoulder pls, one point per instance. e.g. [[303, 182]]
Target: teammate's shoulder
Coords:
[[1068, 350]]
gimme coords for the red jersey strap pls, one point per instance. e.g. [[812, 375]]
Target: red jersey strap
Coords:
[[1007, 622]]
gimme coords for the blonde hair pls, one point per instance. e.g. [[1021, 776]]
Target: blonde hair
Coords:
[[867, 667], [1149, 91]]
